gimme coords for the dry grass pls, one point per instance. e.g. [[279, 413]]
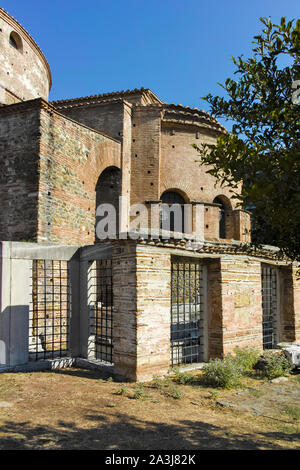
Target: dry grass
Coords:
[[80, 409]]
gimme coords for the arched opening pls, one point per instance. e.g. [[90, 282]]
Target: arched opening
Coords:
[[172, 212], [108, 191], [223, 213], [16, 41]]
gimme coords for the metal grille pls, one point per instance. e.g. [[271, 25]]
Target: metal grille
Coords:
[[50, 310], [187, 308], [101, 311], [269, 306]]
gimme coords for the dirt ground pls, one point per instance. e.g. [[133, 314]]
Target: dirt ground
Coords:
[[82, 409]]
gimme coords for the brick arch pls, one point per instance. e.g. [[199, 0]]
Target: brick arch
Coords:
[[224, 200], [183, 188], [226, 220], [105, 155], [108, 189], [178, 191]]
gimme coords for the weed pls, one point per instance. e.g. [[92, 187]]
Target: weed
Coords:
[[167, 381], [277, 365], [174, 392], [213, 394], [293, 411], [158, 382], [123, 390], [246, 358], [139, 393], [183, 378], [222, 373]]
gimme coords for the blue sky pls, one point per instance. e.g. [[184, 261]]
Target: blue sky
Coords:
[[180, 49]]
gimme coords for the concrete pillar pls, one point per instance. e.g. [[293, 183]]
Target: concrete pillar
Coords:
[[74, 273], [15, 301]]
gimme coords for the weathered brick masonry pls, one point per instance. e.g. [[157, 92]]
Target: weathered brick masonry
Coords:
[[24, 71], [49, 170], [233, 312]]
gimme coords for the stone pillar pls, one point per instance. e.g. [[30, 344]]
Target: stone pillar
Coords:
[[198, 219], [289, 303], [241, 229], [125, 306], [141, 311], [153, 307], [241, 302], [214, 309], [211, 221]]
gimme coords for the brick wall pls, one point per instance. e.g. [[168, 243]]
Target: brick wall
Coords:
[[19, 148], [145, 154], [49, 167], [71, 159], [104, 117]]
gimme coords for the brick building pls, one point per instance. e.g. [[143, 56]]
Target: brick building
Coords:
[[59, 161]]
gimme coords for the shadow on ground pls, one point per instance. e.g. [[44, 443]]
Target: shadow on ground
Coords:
[[129, 433]]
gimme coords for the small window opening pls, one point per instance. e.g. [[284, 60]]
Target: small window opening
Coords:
[[15, 41]]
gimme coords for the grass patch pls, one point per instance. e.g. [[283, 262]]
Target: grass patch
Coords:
[[293, 411], [256, 393], [174, 392], [183, 378], [139, 392], [123, 390]]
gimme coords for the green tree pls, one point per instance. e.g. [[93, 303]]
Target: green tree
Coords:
[[261, 153]]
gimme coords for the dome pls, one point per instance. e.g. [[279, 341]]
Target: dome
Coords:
[[24, 71]]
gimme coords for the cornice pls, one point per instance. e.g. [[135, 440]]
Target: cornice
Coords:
[[189, 244], [107, 97]]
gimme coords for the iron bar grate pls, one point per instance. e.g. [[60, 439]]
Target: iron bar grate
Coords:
[[269, 306], [187, 307], [50, 310], [101, 311]]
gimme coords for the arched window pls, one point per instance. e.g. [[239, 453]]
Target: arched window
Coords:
[[15, 41], [108, 191], [172, 212], [222, 217]]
